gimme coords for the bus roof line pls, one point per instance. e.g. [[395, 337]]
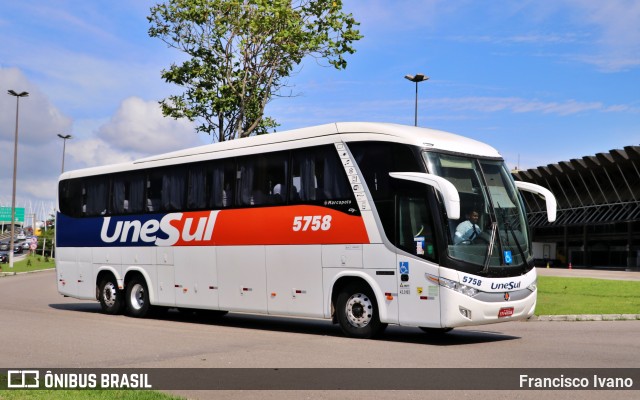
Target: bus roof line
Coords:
[[262, 140]]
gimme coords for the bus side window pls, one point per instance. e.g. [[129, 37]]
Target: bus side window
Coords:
[[229, 199], [119, 202], [258, 176], [221, 181], [376, 160], [97, 194], [154, 190], [415, 230], [303, 172], [71, 197], [244, 185], [173, 188], [197, 186], [318, 174], [209, 185], [135, 195], [127, 194]]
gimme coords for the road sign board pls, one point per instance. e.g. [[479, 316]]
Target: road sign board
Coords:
[[5, 214]]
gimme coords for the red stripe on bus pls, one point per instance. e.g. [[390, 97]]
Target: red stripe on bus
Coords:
[[281, 225]]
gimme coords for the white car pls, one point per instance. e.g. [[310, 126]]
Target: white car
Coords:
[[21, 236]]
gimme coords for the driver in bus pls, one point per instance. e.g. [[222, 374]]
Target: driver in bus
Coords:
[[468, 230]]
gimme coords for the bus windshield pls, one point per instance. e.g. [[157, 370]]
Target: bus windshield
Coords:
[[492, 229]]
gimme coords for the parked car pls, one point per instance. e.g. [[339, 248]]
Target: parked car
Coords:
[[4, 258], [17, 248], [4, 245], [21, 236]]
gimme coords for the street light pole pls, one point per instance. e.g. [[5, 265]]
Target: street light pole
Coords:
[[64, 146], [15, 169], [417, 79]]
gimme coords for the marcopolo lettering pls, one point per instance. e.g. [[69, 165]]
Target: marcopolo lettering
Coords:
[[505, 286], [172, 229]]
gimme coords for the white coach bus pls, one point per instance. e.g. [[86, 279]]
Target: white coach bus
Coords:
[[360, 223]]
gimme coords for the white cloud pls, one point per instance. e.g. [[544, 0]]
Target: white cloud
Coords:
[[617, 25], [95, 152], [139, 127], [530, 38], [522, 105], [38, 119], [39, 149], [85, 56]]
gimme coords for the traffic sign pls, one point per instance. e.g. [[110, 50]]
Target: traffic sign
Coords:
[[5, 214]]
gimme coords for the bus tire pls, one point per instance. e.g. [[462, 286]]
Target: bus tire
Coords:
[[357, 312], [137, 298], [110, 297]]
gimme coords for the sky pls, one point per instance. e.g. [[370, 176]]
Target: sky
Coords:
[[542, 81]]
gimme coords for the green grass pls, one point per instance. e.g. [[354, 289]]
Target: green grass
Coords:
[[31, 263], [565, 296], [84, 394]]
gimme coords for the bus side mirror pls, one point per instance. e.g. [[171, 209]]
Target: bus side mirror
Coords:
[[447, 190], [549, 198]]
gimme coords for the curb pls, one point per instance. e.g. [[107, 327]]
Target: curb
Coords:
[[585, 317], [4, 274]]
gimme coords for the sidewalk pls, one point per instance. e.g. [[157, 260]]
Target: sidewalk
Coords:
[[588, 273]]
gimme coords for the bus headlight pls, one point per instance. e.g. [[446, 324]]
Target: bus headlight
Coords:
[[453, 285], [533, 286]]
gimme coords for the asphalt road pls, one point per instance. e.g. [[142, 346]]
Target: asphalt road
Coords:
[[41, 329]]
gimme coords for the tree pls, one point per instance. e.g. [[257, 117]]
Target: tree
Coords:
[[47, 237], [240, 54]]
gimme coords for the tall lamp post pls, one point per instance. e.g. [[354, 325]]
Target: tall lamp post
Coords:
[[417, 79], [15, 168], [64, 146]]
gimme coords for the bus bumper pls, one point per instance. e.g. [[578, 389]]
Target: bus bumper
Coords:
[[459, 310]]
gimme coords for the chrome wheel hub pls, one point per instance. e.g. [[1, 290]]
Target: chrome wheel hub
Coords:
[[359, 310]]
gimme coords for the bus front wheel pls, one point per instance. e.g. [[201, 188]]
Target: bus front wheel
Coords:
[[137, 298], [110, 297], [357, 312]]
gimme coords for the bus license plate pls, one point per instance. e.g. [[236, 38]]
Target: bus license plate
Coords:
[[505, 312]]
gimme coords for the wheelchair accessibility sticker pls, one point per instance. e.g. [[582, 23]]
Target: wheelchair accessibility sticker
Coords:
[[404, 267], [508, 259]]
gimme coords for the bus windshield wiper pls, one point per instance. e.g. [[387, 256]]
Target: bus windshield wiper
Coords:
[[494, 229], [508, 228]]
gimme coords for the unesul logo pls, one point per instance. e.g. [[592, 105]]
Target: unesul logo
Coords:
[[172, 229], [506, 286]]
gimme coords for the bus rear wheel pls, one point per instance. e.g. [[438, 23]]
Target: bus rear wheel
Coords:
[[110, 297], [357, 312], [137, 298]]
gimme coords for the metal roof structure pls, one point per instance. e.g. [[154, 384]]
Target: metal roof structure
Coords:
[[599, 189]]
